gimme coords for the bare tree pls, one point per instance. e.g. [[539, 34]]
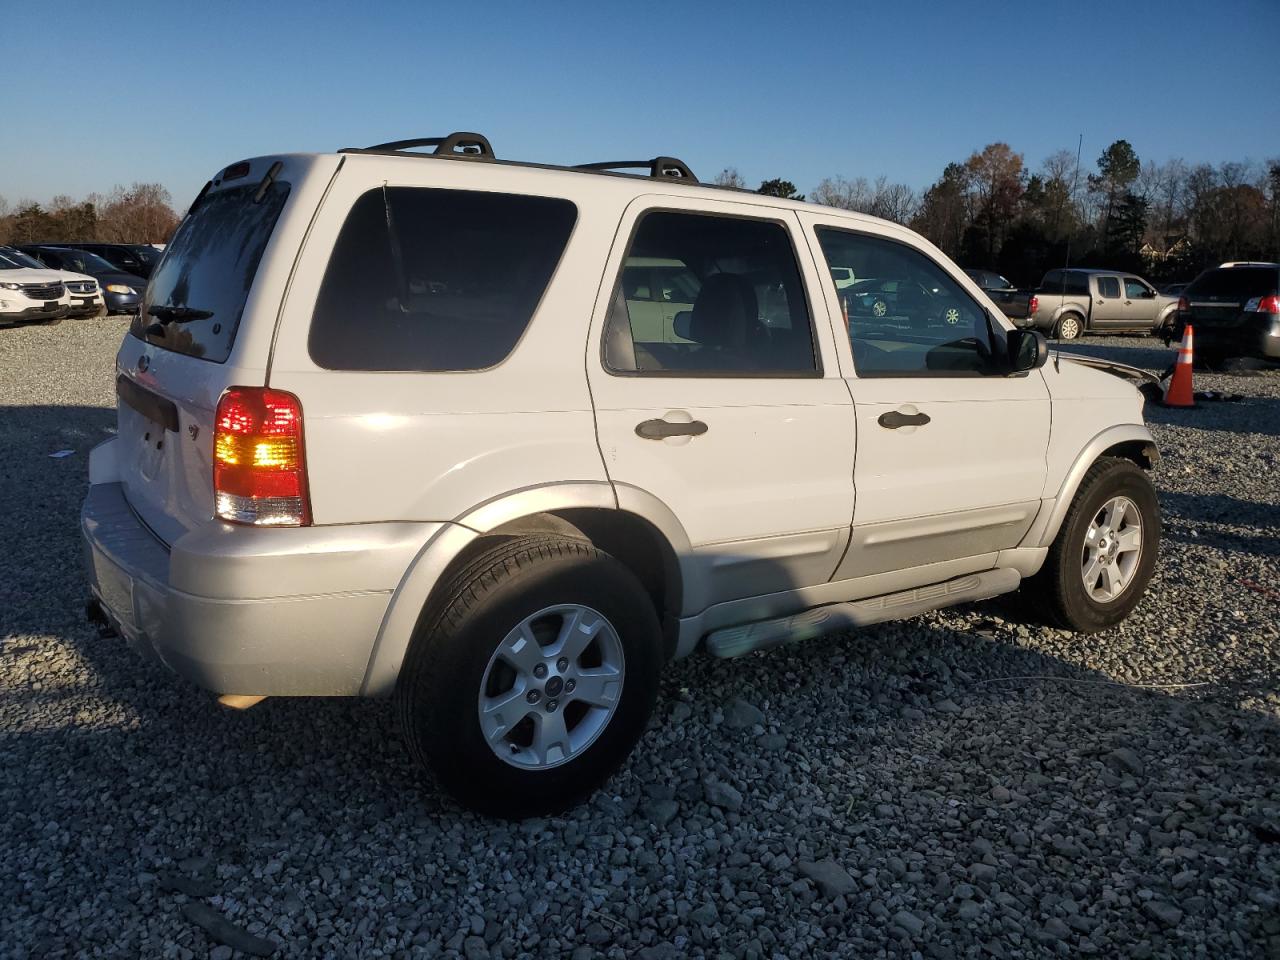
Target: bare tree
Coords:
[[730, 177], [845, 194], [893, 201]]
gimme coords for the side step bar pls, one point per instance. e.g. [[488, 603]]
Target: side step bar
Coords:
[[764, 634]]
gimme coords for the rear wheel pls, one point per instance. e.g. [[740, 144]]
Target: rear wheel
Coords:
[[534, 678], [1105, 553], [1070, 327]]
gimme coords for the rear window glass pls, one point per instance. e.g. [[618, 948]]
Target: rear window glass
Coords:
[[1241, 282], [195, 297], [1076, 284], [433, 280]]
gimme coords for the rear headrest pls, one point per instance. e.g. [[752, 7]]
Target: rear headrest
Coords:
[[725, 311]]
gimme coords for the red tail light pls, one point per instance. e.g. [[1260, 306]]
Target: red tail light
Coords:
[[259, 465], [1183, 305], [1033, 305], [1269, 304]]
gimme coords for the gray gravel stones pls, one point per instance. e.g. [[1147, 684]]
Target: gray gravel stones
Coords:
[[721, 794], [740, 715], [1124, 760], [1007, 829], [227, 933], [832, 879]]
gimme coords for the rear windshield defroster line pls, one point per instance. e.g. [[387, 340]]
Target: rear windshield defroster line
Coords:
[[207, 271]]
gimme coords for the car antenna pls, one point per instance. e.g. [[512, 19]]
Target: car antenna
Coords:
[[1057, 330]]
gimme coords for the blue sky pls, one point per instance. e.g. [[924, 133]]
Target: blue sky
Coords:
[[797, 90]]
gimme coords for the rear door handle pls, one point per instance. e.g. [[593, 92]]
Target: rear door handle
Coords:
[[895, 419], [662, 429]]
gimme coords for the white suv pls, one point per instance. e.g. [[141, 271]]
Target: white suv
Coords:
[[388, 426], [30, 294]]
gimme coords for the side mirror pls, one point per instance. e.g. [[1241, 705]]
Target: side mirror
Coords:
[[1028, 350]]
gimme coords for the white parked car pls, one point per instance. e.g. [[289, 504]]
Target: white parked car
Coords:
[[30, 294], [388, 427], [83, 295]]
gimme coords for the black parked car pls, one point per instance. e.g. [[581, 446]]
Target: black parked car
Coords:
[[1234, 310], [894, 299], [138, 259], [121, 291], [1013, 303]]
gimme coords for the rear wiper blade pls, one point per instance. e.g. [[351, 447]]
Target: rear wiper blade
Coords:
[[178, 314]]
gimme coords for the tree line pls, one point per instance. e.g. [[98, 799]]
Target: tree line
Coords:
[[142, 213], [1166, 221]]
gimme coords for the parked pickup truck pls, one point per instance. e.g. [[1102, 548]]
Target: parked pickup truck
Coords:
[[1070, 303], [1013, 303]]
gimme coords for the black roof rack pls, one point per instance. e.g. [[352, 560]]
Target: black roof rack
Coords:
[[658, 167], [475, 146], [459, 144]]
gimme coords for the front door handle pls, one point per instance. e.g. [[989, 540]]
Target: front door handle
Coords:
[[895, 419], [663, 429]]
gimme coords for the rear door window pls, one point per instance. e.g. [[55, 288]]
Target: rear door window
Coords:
[[730, 300], [1109, 287], [438, 280], [195, 297]]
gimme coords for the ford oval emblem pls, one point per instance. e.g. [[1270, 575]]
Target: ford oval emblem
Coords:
[[143, 362]]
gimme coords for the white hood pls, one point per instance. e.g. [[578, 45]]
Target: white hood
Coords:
[[32, 275]]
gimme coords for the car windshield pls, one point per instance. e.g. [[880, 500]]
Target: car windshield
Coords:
[[11, 259], [84, 261]]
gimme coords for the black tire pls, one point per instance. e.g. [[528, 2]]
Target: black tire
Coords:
[[1069, 334], [1058, 590], [437, 692]]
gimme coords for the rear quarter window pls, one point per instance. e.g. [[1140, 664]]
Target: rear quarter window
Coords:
[[432, 280], [196, 296]]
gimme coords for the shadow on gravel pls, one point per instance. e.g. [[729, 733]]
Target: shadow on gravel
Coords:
[[908, 787], [1215, 511], [1257, 415]]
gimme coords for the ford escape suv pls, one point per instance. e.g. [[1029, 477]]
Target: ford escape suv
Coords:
[[499, 439]]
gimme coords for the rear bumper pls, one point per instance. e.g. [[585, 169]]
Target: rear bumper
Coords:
[[1254, 335], [244, 610]]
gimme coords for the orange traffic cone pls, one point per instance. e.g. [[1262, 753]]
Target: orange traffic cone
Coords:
[[1179, 393]]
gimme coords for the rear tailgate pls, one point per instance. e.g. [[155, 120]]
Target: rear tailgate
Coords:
[[206, 323]]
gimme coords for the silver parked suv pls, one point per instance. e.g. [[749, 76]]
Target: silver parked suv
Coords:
[[500, 439]]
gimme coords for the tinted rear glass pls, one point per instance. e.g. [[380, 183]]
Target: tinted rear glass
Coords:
[[1238, 282], [432, 280], [208, 267], [1076, 285]]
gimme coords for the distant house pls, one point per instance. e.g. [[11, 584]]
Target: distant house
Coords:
[[1173, 248]]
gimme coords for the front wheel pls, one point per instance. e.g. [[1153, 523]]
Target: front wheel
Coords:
[[1105, 553], [535, 677]]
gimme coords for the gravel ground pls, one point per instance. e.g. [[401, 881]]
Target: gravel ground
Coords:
[[907, 791]]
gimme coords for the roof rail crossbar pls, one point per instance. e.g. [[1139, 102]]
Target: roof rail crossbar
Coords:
[[659, 167], [459, 144]]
